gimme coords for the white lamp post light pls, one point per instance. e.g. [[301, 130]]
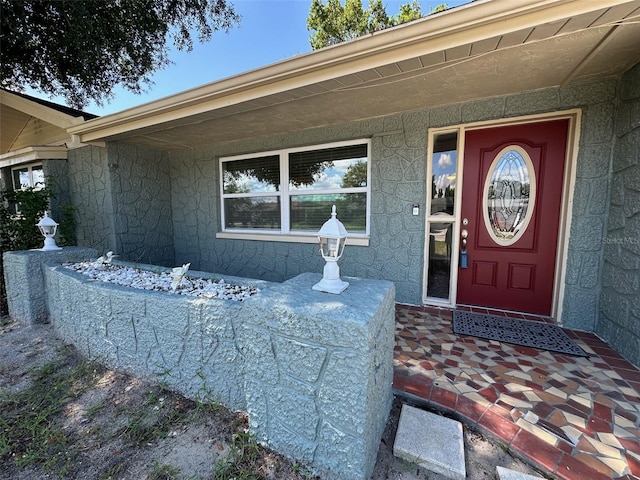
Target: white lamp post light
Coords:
[[331, 238], [48, 228]]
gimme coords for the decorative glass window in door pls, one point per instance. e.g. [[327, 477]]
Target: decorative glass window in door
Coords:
[[509, 195]]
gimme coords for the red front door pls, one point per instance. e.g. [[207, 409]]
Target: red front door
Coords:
[[511, 201]]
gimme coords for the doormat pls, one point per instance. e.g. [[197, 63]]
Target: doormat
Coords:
[[544, 336]]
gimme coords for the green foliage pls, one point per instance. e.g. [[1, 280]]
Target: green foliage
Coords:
[[20, 211], [243, 457], [163, 472], [355, 176], [82, 49], [409, 12], [18, 231], [335, 23]]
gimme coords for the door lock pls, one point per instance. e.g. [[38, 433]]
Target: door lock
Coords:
[[464, 256]]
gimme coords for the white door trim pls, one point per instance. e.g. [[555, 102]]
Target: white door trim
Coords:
[[568, 187]]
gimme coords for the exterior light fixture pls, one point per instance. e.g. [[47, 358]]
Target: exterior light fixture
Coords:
[[48, 228], [331, 239]]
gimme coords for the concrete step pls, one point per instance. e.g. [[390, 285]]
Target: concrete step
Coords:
[[506, 474], [436, 443], [433, 442]]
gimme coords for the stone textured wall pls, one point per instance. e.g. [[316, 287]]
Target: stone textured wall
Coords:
[[398, 175], [90, 194], [24, 280], [313, 370], [619, 321], [163, 207], [141, 194], [57, 173], [588, 227], [122, 197], [397, 238]]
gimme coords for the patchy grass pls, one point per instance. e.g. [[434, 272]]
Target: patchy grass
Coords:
[[164, 472], [77, 419], [28, 434]]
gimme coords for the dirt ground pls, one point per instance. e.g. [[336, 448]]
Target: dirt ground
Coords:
[[108, 425]]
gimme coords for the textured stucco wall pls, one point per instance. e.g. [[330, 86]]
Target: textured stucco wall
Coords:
[[90, 194], [588, 228], [312, 370], [398, 175], [24, 280], [619, 321], [122, 197], [141, 193], [397, 237], [163, 207], [57, 173]]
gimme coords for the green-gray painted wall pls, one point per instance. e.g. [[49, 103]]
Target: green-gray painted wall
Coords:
[[165, 206], [122, 197], [619, 312]]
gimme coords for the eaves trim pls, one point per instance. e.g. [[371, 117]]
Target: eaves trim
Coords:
[[470, 22], [39, 111], [31, 154]]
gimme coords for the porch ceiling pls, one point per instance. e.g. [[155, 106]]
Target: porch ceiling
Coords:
[[480, 50], [27, 123]]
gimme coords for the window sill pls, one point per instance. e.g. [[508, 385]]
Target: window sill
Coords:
[[360, 240]]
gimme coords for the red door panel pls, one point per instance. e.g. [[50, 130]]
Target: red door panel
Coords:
[[519, 276]]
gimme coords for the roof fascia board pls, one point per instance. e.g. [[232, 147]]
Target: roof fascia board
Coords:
[[30, 154], [42, 112], [467, 23]]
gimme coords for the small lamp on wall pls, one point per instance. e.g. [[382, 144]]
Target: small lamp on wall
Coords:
[[48, 227], [331, 238]]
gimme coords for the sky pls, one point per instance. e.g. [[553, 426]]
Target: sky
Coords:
[[269, 31], [444, 169]]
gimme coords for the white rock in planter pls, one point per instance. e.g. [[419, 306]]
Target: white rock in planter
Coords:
[[163, 282]]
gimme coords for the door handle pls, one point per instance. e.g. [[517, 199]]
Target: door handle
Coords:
[[464, 256]]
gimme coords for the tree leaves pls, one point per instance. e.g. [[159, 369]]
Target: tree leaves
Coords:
[[82, 49], [334, 23]]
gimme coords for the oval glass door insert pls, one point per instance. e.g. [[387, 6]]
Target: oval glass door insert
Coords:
[[509, 195]]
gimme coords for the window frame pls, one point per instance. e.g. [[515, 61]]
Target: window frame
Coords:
[[285, 233], [30, 167]]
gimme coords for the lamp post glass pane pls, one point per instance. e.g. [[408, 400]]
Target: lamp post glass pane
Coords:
[[47, 229], [332, 247]]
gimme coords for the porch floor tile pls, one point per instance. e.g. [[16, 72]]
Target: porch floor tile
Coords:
[[575, 418]]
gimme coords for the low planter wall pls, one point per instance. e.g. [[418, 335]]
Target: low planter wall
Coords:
[[25, 284], [313, 370]]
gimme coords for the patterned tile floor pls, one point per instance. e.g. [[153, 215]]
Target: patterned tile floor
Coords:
[[574, 417]]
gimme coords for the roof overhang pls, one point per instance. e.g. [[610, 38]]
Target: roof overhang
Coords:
[[30, 128], [478, 50], [32, 154], [37, 110]]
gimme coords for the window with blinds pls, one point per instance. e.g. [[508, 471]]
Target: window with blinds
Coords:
[[293, 190]]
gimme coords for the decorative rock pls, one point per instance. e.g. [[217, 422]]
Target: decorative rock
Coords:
[[170, 281]]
